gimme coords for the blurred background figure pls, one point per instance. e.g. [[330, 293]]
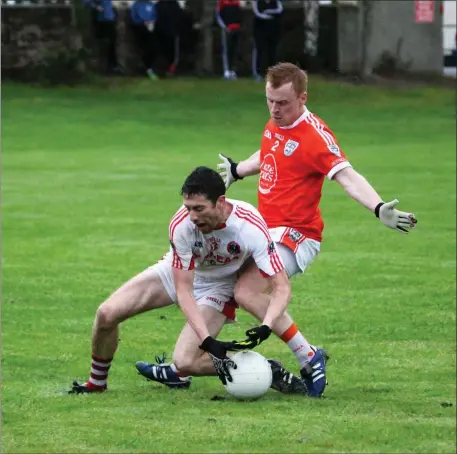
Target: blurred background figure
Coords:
[[228, 15], [169, 15], [143, 18], [267, 30], [104, 24]]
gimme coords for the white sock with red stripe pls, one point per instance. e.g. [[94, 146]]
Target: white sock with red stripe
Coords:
[[298, 344], [99, 373]]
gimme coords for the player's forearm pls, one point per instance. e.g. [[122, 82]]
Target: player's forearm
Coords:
[[280, 299], [189, 306], [358, 188], [250, 166]]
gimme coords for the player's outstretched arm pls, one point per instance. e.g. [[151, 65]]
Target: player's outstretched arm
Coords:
[[357, 187], [231, 171]]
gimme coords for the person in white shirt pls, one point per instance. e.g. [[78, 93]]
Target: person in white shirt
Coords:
[[211, 238]]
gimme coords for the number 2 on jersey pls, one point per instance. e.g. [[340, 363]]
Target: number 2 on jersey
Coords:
[[276, 145]]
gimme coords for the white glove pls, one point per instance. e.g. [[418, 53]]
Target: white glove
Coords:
[[395, 219], [226, 169]]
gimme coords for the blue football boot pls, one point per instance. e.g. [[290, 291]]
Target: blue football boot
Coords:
[[163, 373], [314, 373]]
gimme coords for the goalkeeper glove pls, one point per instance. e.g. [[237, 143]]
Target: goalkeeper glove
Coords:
[[393, 218], [227, 170]]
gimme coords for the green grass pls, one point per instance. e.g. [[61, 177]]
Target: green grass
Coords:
[[91, 177]]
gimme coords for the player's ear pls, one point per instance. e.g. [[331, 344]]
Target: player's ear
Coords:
[[220, 200], [304, 97]]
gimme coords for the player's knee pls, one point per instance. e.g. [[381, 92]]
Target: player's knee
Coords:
[[184, 363], [186, 360], [105, 317]]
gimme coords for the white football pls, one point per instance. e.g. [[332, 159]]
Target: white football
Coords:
[[252, 377]]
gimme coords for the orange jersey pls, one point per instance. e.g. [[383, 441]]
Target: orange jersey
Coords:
[[294, 162]]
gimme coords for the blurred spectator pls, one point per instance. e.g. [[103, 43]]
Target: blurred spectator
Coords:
[[167, 31], [267, 30], [143, 19], [228, 15], [104, 22]]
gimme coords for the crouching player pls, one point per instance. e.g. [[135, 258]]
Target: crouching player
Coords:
[[211, 238]]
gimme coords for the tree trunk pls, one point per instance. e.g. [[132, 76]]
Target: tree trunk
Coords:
[[367, 20], [81, 20], [311, 26], [204, 12]]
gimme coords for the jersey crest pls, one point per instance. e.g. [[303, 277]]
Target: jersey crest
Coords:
[[233, 248], [290, 147]]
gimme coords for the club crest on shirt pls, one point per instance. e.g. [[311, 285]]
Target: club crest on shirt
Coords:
[[233, 248], [271, 247], [335, 149], [290, 147], [267, 134]]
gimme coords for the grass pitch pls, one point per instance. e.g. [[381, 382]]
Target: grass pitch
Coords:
[[91, 177]]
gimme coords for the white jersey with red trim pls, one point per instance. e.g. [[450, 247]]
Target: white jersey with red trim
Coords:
[[220, 254]]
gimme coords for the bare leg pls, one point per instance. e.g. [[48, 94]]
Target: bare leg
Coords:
[[140, 294], [188, 358], [248, 296], [251, 294]]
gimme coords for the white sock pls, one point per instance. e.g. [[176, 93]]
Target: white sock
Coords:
[[298, 344]]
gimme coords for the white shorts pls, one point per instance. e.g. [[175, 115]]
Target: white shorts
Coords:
[[296, 251], [215, 294]]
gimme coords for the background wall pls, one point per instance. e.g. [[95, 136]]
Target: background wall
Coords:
[[31, 34], [418, 47]]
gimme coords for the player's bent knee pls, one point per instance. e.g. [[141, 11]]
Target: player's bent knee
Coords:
[[185, 364], [105, 317], [185, 360]]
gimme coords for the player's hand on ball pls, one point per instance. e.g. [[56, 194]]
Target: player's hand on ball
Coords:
[[255, 337], [227, 170], [258, 334], [218, 353], [395, 219]]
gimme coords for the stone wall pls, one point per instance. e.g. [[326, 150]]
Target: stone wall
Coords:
[[31, 36], [31, 33]]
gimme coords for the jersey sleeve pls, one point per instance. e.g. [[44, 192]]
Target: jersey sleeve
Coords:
[[262, 247], [327, 157], [180, 246]]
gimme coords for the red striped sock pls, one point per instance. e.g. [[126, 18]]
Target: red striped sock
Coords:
[[99, 373], [298, 344]]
